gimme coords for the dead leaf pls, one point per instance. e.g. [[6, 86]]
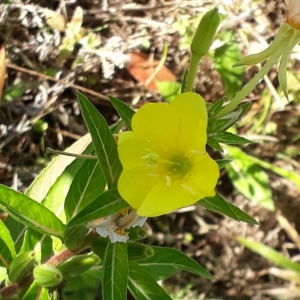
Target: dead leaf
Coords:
[[55, 20], [142, 69]]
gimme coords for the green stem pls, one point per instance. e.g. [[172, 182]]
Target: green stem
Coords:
[[191, 74], [241, 95]]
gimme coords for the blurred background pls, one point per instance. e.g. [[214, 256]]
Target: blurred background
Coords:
[[54, 48]]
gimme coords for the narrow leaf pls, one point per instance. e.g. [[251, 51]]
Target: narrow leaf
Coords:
[[83, 192], [42, 184], [103, 140], [270, 254], [57, 193], [29, 212], [123, 110], [7, 246], [222, 163], [36, 292], [219, 205], [115, 272], [214, 144], [230, 138], [167, 261], [143, 286], [106, 204]]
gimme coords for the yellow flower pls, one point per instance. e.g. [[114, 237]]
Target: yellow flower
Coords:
[[165, 164], [293, 15]]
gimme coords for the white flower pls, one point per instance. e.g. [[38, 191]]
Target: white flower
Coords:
[[114, 226]]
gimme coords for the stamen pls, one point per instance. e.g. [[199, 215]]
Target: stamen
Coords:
[[189, 189], [168, 180]]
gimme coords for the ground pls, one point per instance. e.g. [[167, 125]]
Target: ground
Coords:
[[102, 48]]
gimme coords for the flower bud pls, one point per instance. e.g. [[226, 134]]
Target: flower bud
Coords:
[[139, 251], [78, 264], [293, 14], [47, 276], [21, 266], [2, 70], [205, 33]]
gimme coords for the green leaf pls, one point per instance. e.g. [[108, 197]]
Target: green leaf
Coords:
[[219, 205], [224, 57], [104, 142], [83, 192], [230, 138], [36, 292], [168, 89], [123, 110], [30, 212], [143, 286], [57, 193], [167, 261], [115, 272], [40, 243], [106, 204], [214, 144], [3, 274], [249, 178], [42, 184], [222, 124], [270, 254], [82, 287], [7, 246], [17, 231], [216, 107], [222, 162]]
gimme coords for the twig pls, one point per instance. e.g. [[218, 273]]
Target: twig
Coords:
[[46, 77]]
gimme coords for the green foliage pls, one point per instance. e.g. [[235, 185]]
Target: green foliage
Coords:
[[218, 204], [249, 178], [169, 89], [7, 246], [224, 57], [103, 140], [270, 254], [115, 272], [124, 111], [51, 245]]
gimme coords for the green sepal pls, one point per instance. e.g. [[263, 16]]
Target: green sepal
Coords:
[[137, 233], [78, 264], [139, 251], [21, 266], [254, 59], [47, 276], [74, 236]]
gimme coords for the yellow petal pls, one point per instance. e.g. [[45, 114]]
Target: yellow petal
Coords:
[[134, 185], [163, 199], [172, 125], [204, 175], [132, 148]]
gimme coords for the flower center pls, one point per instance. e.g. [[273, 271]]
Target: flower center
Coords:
[[177, 165]]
